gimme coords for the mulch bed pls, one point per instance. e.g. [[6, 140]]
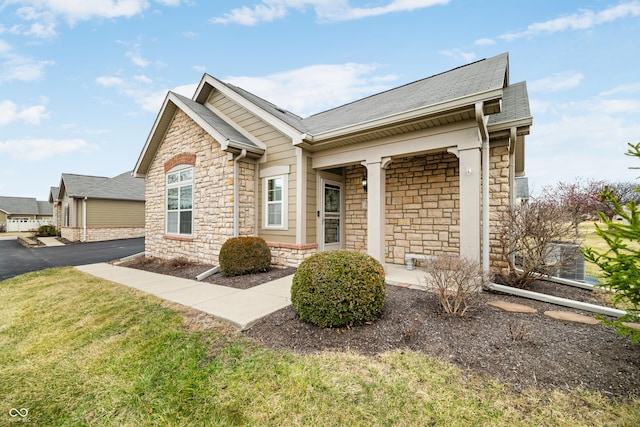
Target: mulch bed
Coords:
[[522, 350]]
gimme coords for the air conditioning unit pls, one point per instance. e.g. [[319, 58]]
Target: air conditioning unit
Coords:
[[569, 259]]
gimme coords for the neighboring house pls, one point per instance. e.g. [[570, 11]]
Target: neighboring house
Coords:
[[24, 213], [94, 208], [57, 206], [395, 173]]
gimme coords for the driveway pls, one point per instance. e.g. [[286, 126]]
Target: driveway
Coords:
[[15, 259]]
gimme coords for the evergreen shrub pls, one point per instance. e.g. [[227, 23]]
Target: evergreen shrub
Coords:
[[338, 288], [244, 255]]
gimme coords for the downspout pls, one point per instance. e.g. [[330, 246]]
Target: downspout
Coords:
[[484, 135], [236, 191], [512, 165], [84, 219]]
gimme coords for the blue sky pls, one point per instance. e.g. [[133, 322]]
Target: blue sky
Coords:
[[81, 82]]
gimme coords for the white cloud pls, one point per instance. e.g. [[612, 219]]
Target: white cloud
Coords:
[[143, 79], [459, 55], [583, 138], [325, 10], [136, 58], [44, 13], [10, 112], [74, 11], [556, 82], [582, 20], [21, 68], [315, 88], [36, 150], [484, 42], [152, 102], [108, 81], [4, 47], [625, 89]]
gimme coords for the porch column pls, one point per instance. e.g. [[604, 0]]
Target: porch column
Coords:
[[470, 213], [376, 207]]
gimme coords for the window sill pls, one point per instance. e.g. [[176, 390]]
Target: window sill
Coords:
[[178, 238]]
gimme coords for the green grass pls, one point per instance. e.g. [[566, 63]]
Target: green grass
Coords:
[[76, 350]]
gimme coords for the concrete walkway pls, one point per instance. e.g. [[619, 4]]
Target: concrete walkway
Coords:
[[241, 308], [50, 241]]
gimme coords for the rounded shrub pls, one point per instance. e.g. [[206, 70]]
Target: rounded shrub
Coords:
[[338, 288], [244, 255]]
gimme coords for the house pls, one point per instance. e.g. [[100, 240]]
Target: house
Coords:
[[94, 208], [57, 207], [396, 173], [24, 213]]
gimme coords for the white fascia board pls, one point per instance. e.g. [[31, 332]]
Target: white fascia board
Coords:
[[410, 114], [295, 135]]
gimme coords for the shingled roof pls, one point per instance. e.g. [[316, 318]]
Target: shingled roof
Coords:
[[24, 206], [478, 77], [121, 187]]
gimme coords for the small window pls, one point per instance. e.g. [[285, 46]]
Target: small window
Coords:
[[275, 208], [180, 201]]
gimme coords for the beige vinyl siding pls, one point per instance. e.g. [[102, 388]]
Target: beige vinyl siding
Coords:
[[115, 213], [312, 204], [3, 217], [75, 213], [280, 151]]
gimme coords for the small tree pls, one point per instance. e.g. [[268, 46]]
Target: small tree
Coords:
[[621, 262], [526, 235], [579, 200]]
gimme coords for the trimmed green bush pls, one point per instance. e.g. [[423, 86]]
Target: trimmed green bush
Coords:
[[47, 230], [244, 255], [338, 288]]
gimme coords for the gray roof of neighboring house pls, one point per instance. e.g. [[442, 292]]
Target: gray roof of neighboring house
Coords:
[[25, 206], [54, 192], [121, 187], [45, 208]]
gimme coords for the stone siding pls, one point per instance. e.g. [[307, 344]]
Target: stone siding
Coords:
[[187, 143], [284, 254], [498, 202], [98, 234], [423, 209]]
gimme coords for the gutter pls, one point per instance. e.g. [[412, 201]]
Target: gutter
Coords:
[[236, 191], [484, 135]]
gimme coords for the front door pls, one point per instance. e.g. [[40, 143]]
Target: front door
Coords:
[[331, 215]]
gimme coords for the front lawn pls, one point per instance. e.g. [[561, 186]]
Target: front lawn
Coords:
[[76, 350]]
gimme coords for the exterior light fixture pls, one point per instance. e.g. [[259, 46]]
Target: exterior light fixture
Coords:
[[364, 183]]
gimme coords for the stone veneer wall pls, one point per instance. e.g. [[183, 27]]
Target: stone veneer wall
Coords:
[[97, 234], [423, 209], [289, 255], [498, 201], [212, 195]]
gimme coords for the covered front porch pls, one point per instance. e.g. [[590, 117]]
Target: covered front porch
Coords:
[[396, 274]]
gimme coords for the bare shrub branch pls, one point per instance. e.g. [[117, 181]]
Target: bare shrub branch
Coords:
[[455, 280], [527, 235]]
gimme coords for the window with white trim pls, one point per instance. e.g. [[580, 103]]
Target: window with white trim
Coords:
[[275, 206], [179, 199]]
